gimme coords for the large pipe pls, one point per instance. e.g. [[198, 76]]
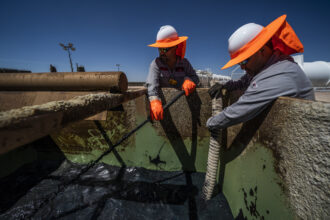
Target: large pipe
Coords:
[[64, 81], [24, 125]]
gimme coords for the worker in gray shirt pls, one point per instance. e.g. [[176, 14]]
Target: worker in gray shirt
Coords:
[[264, 53], [170, 69], [217, 90]]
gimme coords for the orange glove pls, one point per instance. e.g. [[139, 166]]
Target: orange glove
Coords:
[[156, 110], [188, 86]]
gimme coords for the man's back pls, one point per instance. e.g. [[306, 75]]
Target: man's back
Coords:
[[284, 78], [281, 78]]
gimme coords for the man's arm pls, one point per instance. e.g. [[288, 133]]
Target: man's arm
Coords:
[[240, 84], [153, 81], [217, 89], [256, 98]]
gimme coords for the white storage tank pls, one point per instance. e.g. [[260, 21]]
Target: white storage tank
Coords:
[[318, 72]]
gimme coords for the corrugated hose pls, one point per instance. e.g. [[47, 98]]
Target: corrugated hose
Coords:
[[215, 152]]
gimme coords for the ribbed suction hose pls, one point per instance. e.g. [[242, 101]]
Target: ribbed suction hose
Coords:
[[215, 151]]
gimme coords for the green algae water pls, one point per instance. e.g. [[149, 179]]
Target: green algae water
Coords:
[[253, 180]]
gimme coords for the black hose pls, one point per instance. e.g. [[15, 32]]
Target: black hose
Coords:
[[174, 99], [127, 136]]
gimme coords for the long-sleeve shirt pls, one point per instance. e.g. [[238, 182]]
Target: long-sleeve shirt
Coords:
[[280, 77], [160, 75], [240, 84]]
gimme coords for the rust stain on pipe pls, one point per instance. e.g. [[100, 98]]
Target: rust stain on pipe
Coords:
[[24, 125], [64, 81]]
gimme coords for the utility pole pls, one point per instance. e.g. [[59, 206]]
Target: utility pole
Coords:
[[118, 65], [68, 48]]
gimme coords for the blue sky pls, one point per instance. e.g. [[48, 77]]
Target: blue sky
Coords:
[[106, 33]]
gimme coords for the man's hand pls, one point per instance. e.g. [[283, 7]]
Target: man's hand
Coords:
[[215, 91], [188, 86], [156, 110]]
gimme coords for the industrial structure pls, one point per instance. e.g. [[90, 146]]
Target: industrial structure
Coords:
[[273, 166]]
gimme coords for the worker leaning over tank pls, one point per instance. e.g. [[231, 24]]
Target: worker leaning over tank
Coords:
[[170, 69], [264, 53]]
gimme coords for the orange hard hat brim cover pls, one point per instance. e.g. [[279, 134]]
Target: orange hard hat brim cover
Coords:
[[284, 39], [171, 42]]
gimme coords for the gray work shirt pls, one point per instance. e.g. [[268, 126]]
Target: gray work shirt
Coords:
[[282, 77], [160, 74], [240, 84]]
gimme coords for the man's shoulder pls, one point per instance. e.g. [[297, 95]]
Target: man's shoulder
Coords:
[[154, 66], [284, 66], [279, 69], [153, 62], [280, 74], [156, 62], [183, 60]]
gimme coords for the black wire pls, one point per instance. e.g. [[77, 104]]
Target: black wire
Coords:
[[91, 164]]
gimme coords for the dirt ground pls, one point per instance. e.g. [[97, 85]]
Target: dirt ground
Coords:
[[322, 96]]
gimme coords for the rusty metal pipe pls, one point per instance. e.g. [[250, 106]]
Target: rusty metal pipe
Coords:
[[64, 81], [24, 125]]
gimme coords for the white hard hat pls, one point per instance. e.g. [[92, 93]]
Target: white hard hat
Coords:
[[250, 38], [166, 32], [167, 37], [242, 36]]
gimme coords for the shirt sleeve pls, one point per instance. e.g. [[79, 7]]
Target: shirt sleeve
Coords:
[[240, 84], [191, 73], [255, 99], [152, 81]]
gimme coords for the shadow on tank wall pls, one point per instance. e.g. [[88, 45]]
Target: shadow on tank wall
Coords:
[[24, 167]]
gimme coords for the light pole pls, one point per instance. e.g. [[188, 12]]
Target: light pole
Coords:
[[118, 65], [68, 48]]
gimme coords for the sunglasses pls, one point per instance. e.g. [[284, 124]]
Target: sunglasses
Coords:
[[244, 62], [164, 50]]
